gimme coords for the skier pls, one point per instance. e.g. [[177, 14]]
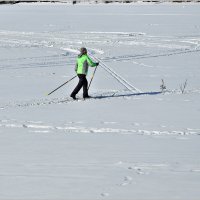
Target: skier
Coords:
[[83, 61]]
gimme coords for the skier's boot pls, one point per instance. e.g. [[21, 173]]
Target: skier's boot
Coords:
[[86, 97], [73, 96]]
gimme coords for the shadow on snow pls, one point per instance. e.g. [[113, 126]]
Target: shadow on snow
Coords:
[[126, 95]]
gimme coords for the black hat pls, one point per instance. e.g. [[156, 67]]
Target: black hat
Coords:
[[83, 51]]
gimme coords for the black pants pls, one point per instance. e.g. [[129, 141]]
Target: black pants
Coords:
[[82, 83]]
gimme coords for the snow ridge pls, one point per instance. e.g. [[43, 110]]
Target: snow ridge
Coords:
[[46, 128]]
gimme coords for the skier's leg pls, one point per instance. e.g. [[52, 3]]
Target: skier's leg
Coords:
[[85, 88], [78, 87]]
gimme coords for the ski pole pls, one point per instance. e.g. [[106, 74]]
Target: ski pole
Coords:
[[61, 85], [92, 77], [117, 76]]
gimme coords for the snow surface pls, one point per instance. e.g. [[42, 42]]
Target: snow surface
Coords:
[[121, 144]]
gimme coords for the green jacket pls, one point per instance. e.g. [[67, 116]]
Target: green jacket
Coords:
[[82, 64]]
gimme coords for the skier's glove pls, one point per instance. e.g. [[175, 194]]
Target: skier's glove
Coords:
[[97, 63]]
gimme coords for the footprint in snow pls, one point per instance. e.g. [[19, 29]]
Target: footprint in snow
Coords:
[[24, 126], [105, 194], [127, 181], [138, 170]]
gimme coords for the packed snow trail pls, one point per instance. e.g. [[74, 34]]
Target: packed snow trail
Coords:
[[94, 96]]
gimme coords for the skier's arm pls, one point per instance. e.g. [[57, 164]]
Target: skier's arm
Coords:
[[91, 63]]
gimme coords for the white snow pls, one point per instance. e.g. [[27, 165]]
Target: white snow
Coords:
[[121, 144]]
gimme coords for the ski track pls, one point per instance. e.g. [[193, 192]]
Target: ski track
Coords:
[[121, 94], [39, 127], [69, 43], [96, 96]]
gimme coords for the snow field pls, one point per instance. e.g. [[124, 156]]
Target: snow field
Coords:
[[120, 144]]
